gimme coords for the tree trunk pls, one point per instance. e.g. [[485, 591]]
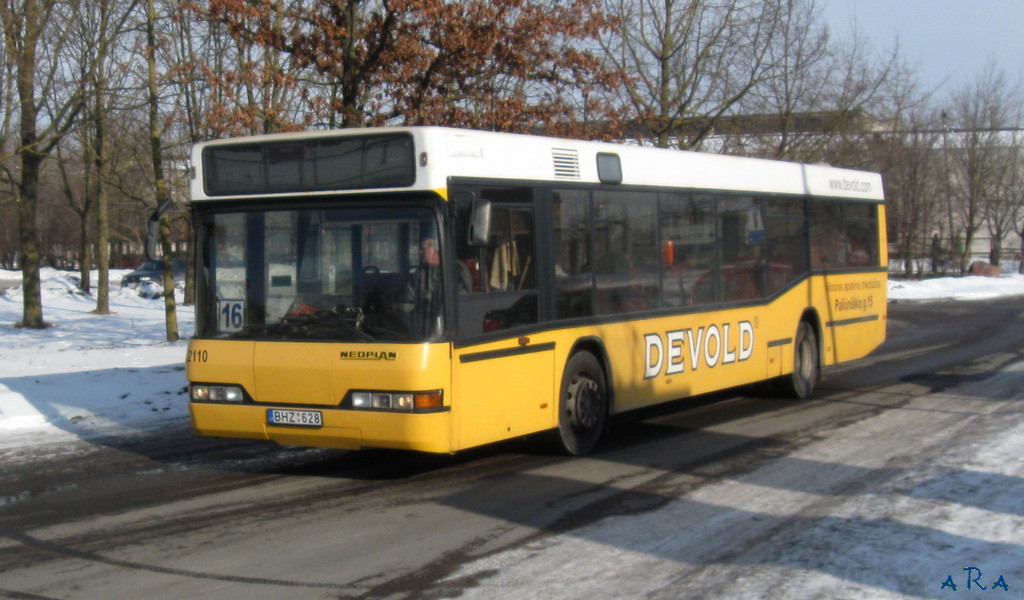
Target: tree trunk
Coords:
[[995, 250], [162, 189], [102, 252], [190, 271], [102, 205], [1020, 265], [28, 201], [23, 25], [85, 254], [170, 312], [28, 191]]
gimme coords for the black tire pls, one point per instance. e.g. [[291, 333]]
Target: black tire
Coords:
[[582, 404], [800, 383]]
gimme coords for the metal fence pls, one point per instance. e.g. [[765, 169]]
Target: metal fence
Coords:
[[936, 257]]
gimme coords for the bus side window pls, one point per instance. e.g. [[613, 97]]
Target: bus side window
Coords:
[[497, 282], [509, 262], [687, 249], [742, 235], [627, 264], [861, 234], [827, 248], [786, 227], [573, 281]]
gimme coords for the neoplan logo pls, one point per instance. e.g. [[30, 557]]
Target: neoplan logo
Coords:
[[367, 355]]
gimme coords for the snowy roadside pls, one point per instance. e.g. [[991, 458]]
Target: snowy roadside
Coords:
[[88, 374], [956, 288]]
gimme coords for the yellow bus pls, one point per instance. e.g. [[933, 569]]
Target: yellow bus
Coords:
[[436, 289]]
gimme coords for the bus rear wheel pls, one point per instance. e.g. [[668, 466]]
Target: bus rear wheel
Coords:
[[582, 404], [800, 383]]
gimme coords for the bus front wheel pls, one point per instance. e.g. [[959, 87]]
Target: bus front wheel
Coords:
[[800, 383], [582, 403]]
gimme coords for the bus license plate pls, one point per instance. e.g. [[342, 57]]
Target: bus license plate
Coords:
[[302, 418]]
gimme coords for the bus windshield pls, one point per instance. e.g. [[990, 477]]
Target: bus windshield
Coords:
[[350, 274]]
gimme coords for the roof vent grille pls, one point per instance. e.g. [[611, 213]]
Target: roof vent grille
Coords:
[[567, 163]]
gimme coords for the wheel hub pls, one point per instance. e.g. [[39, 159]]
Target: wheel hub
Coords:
[[582, 408]]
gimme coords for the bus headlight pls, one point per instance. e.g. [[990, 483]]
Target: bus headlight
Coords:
[[395, 401], [216, 393]]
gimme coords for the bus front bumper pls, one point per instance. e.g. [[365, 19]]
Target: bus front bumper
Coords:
[[343, 429]]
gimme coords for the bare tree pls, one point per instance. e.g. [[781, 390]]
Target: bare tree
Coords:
[[981, 113], [793, 92], [8, 169], [1014, 188], [103, 31], [687, 63], [820, 91], [47, 107], [912, 171], [161, 188], [896, 135], [74, 175], [1003, 204]]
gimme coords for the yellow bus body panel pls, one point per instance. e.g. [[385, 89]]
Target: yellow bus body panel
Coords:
[[662, 359], [505, 389], [318, 376], [854, 311]]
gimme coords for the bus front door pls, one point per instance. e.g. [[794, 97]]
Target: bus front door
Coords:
[[503, 391]]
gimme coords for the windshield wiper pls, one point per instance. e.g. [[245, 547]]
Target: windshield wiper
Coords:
[[320, 324]]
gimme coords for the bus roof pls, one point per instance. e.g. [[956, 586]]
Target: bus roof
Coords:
[[441, 153]]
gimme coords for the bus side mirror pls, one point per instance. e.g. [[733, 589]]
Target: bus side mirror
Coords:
[[480, 223], [152, 236]]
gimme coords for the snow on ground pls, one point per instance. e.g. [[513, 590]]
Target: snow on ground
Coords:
[[957, 288], [88, 373], [867, 512]]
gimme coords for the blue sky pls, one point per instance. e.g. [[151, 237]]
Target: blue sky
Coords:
[[948, 42]]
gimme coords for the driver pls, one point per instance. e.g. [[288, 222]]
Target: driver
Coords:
[[425, 291]]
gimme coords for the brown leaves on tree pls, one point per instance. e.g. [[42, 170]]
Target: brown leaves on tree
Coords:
[[508, 65]]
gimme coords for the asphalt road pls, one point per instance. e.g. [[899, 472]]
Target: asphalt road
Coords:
[[168, 515]]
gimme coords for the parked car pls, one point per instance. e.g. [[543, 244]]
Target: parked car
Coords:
[[148, 278]]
